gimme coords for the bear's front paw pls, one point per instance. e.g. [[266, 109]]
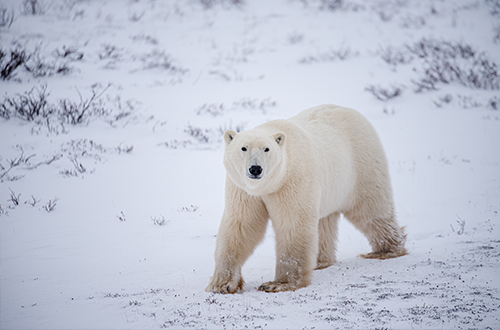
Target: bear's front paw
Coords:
[[276, 286], [225, 286]]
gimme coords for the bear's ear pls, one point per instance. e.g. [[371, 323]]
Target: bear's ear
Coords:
[[280, 138], [229, 136]]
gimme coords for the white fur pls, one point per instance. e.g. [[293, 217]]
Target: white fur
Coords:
[[325, 161]]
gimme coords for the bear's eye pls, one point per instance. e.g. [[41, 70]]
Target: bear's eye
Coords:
[[243, 149], [266, 149]]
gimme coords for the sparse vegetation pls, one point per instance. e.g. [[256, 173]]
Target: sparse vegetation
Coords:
[[36, 63], [394, 57], [295, 38], [159, 59], [461, 226], [159, 221], [332, 5], [14, 198], [453, 62], [176, 144], [442, 62], [8, 66], [29, 106], [6, 17], [210, 135], [496, 34], [252, 104], [32, 201], [40, 66], [227, 4], [50, 205], [70, 53], [339, 54], [76, 113], [190, 208], [121, 217], [385, 94], [34, 105], [33, 7]]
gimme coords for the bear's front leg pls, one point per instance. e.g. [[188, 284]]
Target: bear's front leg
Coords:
[[236, 241], [227, 278], [243, 226], [297, 251]]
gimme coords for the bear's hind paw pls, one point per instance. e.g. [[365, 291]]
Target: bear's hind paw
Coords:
[[274, 286], [323, 265], [385, 255]]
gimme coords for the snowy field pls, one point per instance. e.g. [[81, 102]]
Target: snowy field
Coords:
[[112, 183]]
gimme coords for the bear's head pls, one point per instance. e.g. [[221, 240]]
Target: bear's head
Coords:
[[255, 160]]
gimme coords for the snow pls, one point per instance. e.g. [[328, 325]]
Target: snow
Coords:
[[130, 241]]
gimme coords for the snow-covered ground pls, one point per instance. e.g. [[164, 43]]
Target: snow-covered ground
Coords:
[[112, 193]]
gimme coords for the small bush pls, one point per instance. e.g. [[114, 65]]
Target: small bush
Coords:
[[33, 201], [480, 73], [159, 221], [34, 105], [209, 4], [158, 59], [448, 62], [6, 17], [146, 38], [494, 103], [176, 144], [441, 49], [14, 198], [201, 135], [332, 5], [385, 94], [213, 109], [210, 135], [40, 66], [33, 7], [70, 53], [76, 113], [37, 64], [494, 7], [442, 100], [295, 38], [496, 34], [16, 59], [50, 205], [249, 103], [110, 52], [393, 56], [191, 208], [332, 55], [28, 106]]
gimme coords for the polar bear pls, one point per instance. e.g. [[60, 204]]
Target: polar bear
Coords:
[[302, 173]]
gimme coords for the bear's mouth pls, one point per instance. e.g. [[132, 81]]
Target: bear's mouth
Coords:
[[254, 177]]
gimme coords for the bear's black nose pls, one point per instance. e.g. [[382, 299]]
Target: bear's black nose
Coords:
[[255, 170]]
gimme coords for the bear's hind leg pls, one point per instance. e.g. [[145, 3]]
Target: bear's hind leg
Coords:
[[387, 240], [385, 236], [327, 229]]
